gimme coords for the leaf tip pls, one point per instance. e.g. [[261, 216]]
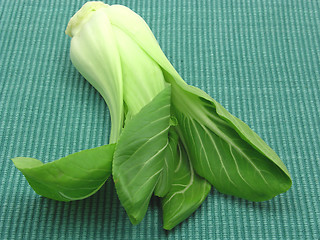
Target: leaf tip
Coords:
[[134, 220], [25, 162]]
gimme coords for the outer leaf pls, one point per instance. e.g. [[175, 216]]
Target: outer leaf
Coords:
[[188, 191], [74, 177], [165, 180], [226, 158], [138, 158]]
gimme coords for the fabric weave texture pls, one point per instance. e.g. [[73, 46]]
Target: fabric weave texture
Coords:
[[259, 59]]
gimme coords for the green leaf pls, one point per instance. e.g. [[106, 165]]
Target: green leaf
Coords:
[[225, 151], [188, 191], [73, 177], [139, 155], [165, 180]]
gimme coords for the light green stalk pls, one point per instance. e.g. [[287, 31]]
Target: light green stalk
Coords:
[[94, 53], [125, 76]]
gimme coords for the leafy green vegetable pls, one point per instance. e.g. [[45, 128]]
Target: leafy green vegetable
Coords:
[[74, 177], [167, 137]]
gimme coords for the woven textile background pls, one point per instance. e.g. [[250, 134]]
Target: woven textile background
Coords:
[[259, 59]]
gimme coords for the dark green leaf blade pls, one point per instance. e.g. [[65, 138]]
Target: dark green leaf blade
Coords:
[[188, 191], [73, 177], [138, 158], [165, 180], [226, 152]]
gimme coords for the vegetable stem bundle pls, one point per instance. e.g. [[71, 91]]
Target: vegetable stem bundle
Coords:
[[167, 138]]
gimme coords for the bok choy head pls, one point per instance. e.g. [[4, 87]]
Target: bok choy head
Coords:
[[168, 138], [114, 49]]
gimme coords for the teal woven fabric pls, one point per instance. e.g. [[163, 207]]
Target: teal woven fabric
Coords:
[[259, 59]]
